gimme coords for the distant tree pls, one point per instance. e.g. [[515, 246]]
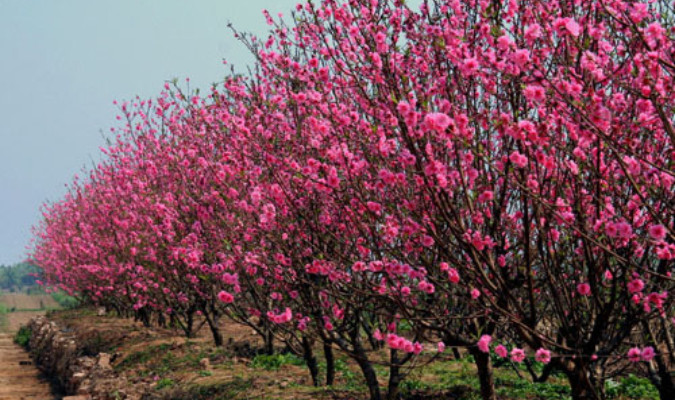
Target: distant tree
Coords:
[[18, 276]]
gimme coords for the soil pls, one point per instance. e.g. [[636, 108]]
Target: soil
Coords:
[[19, 379]]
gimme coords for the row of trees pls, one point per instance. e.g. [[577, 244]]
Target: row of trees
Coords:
[[17, 276], [497, 175]]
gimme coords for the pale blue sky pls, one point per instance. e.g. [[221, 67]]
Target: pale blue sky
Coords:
[[63, 62]]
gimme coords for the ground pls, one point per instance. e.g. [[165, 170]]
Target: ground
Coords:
[[176, 367], [19, 379]]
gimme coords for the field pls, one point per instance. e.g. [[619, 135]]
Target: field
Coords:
[[17, 308], [27, 302]]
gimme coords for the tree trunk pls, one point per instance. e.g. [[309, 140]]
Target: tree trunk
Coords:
[[269, 341], [580, 383], [310, 359], [485, 375], [367, 369], [393, 389], [666, 386], [215, 331], [371, 379], [189, 325], [330, 363]]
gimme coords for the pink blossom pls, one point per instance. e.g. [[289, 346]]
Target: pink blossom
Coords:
[[475, 293], [517, 355], [533, 31], [484, 343], [542, 355], [634, 354], [470, 66], [225, 297], [453, 275], [519, 159], [521, 57], [584, 289], [438, 122], [657, 232], [636, 285], [374, 207], [427, 241], [647, 354], [534, 93], [612, 230], [501, 351], [441, 347]]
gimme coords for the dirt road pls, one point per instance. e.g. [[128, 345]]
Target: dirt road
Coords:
[[19, 379]]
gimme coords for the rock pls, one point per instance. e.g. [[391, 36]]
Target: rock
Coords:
[[103, 360], [57, 353]]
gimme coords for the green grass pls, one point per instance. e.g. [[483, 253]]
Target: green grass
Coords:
[[164, 383], [275, 361], [3, 316], [65, 301], [631, 387], [142, 357]]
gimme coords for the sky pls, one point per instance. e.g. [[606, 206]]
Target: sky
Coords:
[[63, 62]]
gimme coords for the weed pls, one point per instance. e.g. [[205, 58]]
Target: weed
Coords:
[[22, 337], [275, 361], [631, 387], [164, 383]]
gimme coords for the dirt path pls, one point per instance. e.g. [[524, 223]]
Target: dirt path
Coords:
[[19, 379]]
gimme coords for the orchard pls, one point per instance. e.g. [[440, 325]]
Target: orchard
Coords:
[[499, 177]]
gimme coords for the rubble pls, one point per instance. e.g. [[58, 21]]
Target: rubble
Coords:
[[56, 353]]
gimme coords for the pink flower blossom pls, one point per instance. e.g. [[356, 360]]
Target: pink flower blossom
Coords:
[[533, 31], [470, 66], [438, 122], [657, 232], [521, 57], [647, 354], [225, 297], [542, 355], [584, 289], [517, 355], [484, 343], [453, 275], [519, 159], [634, 354], [636, 285], [534, 93], [501, 351]]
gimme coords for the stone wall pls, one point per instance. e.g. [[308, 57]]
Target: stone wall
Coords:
[[57, 353]]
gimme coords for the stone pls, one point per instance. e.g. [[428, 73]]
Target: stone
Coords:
[[103, 360]]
